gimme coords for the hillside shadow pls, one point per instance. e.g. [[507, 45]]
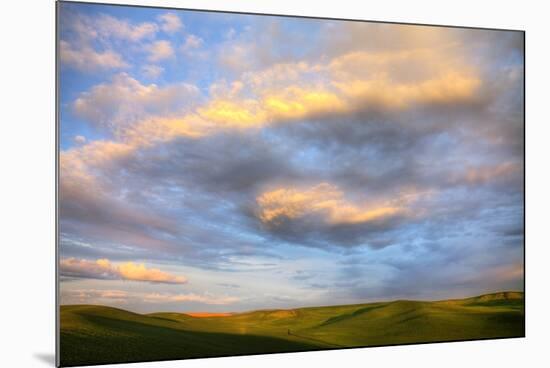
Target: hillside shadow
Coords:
[[153, 342]]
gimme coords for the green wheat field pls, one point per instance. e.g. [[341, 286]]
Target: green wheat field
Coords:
[[92, 334]]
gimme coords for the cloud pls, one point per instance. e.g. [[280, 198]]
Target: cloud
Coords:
[[236, 57], [138, 272], [191, 42], [289, 92], [170, 22], [289, 104], [112, 27], [100, 269], [395, 151], [296, 103], [79, 139], [93, 296], [457, 277], [484, 174], [323, 216], [88, 43], [397, 145], [450, 88], [159, 50], [125, 216], [90, 204], [87, 59], [124, 100], [279, 94], [121, 297], [244, 50], [95, 153], [104, 269], [152, 71], [176, 298], [325, 200]]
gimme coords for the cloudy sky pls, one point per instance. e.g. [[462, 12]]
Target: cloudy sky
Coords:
[[226, 162]]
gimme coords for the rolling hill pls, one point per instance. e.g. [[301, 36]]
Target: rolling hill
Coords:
[[98, 334]]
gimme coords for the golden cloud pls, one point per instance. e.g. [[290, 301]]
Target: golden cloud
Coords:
[[234, 114], [327, 201], [138, 272], [383, 93], [104, 269]]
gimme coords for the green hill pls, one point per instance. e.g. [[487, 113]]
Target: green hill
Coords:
[[98, 334]]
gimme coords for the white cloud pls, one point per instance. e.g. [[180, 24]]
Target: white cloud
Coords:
[[84, 35], [125, 100], [170, 22], [88, 59], [108, 26], [79, 139], [159, 50], [191, 42], [237, 57], [152, 71], [108, 296], [191, 297], [94, 296]]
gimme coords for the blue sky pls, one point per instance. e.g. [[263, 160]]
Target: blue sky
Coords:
[[226, 162]]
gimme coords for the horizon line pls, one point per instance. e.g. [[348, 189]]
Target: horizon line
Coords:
[[303, 307]]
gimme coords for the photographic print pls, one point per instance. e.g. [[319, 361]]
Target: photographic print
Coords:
[[235, 184]]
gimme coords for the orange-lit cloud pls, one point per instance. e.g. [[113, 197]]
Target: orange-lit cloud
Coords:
[[296, 102], [104, 269], [381, 92], [138, 272], [327, 201]]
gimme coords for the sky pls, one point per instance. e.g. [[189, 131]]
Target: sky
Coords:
[[227, 162]]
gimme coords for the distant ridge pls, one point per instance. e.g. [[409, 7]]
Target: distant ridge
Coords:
[[207, 314], [502, 295], [491, 297]]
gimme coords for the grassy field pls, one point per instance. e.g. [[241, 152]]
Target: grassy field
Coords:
[[96, 334]]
